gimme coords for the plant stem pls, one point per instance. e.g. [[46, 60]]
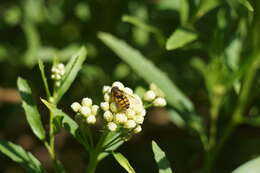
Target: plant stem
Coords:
[[237, 116], [93, 158]]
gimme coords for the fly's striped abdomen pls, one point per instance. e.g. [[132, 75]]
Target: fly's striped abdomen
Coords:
[[120, 98]]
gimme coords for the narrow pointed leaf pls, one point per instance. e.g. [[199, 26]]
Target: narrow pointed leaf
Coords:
[[72, 69], [19, 155], [147, 70], [179, 38], [120, 158], [247, 4], [44, 79], [252, 166], [161, 160], [32, 114]]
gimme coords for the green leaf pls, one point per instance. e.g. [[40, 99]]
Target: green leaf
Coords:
[[123, 162], [161, 160], [69, 124], [207, 5], [19, 155], [142, 25], [179, 38], [151, 73], [176, 118], [59, 167], [32, 115], [247, 4], [184, 12], [44, 79], [72, 69], [252, 166]]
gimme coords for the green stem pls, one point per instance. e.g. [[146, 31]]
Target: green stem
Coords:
[[93, 158], [237, 116]]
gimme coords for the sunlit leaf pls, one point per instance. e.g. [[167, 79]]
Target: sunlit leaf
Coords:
[[71, 71], [44, 79], [247, 4], [123, 162], [207, 5], [32, 115], [142, 25], [161, 160], [19, 155], [252, 166], [151, 73], [179, 38]]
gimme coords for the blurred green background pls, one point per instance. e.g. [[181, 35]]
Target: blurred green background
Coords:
[[45, 29]]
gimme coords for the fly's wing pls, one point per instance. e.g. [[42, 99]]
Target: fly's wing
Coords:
[[135, 102]]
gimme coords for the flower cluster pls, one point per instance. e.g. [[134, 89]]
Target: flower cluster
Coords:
[[86, 110], [58, 70], [155, 96], [129, 118]]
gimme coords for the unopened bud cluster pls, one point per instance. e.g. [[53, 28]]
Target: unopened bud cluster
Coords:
[[58, 70], [118, 117], [86, 110], [155, 96]]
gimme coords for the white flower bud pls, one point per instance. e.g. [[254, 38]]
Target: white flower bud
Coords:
[[53, 76], [118, 84], [112, 126], [139, 119], [86, 102], [160, 102], [57, 83], [143, 112], [54, 70], [85, 111], [106, 89], [57, 77], [62, 71], [108, 116], [130, 113], [128, 90], [104, 106], [129, 124], [120, 118], [91, 119], [94, 109], [149, 96], [107, 97], [138, 129], [113, 107], [60, 66], [75, 106]]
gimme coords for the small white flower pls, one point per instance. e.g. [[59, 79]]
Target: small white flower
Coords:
[[91, 119], [139, 119], [108, 116], [60, 66], [57, 83], [160, 102], [75, 106], [112, 126], [104, 106], [85, 111], [128, 90], [129, 124], [130, 113], [138, 129], [106, 89], [120, 118], [143, 113], [106, 97], [118, 84], [94, 109], [113, 107], [149, 95], [86, 102]]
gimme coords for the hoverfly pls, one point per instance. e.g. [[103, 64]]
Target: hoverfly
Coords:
[[120, 97]]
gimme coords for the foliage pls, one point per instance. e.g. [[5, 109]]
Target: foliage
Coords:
[[203, 55]]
